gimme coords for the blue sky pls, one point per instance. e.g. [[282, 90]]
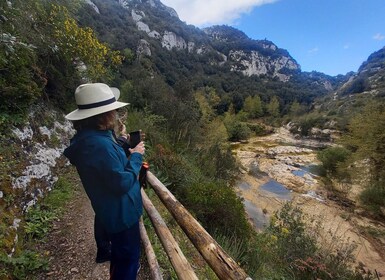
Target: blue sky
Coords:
[[329, 36]]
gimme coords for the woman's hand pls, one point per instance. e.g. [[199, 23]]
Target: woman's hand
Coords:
[[138, 149]]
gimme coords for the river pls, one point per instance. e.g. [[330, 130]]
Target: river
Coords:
[[278, 168]]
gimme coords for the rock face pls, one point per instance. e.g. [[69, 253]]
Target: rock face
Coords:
[[254, 63], [40, 160], [92, 5], [170, 40], [33, 167], [143, 48]]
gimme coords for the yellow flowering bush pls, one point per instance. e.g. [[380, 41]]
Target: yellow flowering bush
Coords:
[[81, 44]]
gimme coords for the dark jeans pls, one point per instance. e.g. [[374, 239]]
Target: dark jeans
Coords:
[[125, 254], [102, 240]]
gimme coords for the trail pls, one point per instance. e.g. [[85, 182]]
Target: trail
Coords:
[[71, 248]]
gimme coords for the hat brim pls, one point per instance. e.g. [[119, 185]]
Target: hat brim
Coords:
[[80, 114]]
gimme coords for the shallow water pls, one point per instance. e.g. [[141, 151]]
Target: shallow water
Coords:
[[244, 186], [260, 220], [299, 172], [311, 169], [277, 189]]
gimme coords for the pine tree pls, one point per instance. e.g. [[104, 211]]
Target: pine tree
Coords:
[[273, 107], [367, 139]]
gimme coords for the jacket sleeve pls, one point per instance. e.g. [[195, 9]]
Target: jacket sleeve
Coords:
[[120, 174]]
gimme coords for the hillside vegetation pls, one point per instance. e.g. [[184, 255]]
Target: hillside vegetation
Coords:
[[190, 107]]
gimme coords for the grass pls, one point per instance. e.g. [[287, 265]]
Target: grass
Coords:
[[26, 261]]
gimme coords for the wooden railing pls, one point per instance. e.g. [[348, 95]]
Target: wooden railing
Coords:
[[219, 261]]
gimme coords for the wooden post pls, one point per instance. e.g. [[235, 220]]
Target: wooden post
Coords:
[[220, 262], [151, 258], [178, 260]]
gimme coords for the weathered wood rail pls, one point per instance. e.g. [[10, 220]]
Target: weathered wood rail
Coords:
[[219, 261]]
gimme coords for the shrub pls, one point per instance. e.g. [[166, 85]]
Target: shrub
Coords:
[[237, 130], [373, 198], [332, 157], [288, 231], [218, 208]]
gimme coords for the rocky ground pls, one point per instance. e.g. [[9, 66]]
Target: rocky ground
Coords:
[[71, 248], [276, 156]]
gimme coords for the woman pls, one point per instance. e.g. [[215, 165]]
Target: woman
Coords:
[[108, 177]]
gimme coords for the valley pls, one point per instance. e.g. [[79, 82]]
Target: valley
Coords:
[[278, 168]]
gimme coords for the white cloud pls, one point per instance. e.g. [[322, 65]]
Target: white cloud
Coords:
[[379, 37], [346, 46], [209, 12], [313, 50]]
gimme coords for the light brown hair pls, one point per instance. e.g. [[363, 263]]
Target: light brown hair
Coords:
[[105, 121]]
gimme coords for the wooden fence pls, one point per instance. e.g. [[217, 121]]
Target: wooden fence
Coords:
[[219, 261]]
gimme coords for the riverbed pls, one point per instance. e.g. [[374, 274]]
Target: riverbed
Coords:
[[279, 168]]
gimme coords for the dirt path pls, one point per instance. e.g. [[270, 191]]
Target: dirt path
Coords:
[[71, 246]]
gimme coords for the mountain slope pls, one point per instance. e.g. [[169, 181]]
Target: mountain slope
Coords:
[[220, 56], [370, 77]]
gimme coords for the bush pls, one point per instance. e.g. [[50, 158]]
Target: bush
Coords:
[[332, 157], [218, 208], [373, 198], [259, 129], [237, 130], [293, 251]]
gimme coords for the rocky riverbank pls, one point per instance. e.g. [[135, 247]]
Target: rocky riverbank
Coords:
[[278, 168]]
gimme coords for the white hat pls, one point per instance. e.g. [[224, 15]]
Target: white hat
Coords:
[[94, 99]]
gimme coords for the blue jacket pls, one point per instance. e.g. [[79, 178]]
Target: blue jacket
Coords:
[[108, 177]]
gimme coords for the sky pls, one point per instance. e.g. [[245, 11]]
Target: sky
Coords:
[[329, 36]]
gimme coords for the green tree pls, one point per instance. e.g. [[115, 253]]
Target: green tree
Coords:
[[253, 106], [366, 137], [273, 107], [332, 157], [296, 108]]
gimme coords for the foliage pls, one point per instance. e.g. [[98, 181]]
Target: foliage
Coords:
[[80, 45], [273, 107], [305, 123], [218, 208], [332, 157], [296, 109], [188, 105], [236, 129], [19, 82], [22, 266], [38, 221], [291, 246], [373, 199], [288, 232], [42, 55], [253, 106], [366, 137]]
